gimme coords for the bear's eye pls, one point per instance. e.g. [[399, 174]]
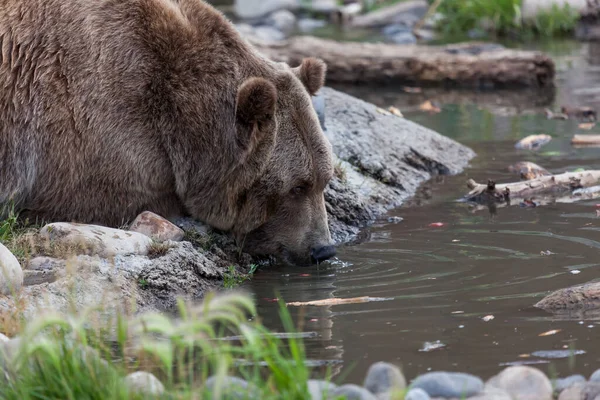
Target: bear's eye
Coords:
[[299, 190]]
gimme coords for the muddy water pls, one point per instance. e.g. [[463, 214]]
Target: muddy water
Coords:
[[438, 283]]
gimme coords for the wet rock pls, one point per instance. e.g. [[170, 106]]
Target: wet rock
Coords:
[[282, 20], [252, 9], [448, 384], [320, 389], [352, 392], [94, 239], [141, 382], [11, 274], [574, 392], [233, 388], [156, 227], [405, 13], [528, 170], [384, 158], [523, 383], [417, 394], [384, 378], [576, 298], [565, 383]]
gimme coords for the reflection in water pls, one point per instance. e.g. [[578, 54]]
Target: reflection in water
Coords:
[[441, 280]]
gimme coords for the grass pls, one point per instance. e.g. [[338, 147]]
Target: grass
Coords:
[[503, 18], [232, 278], [76, 357]]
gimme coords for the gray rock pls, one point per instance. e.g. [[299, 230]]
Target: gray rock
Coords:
[[595, 377], [11, 274], [95, 240], [3, 338], [574, 392], [252, 9], [352, 392], [156, 227], [448, 384], [323, 6], [406, 13], [45, 264], [320, 389], [565, 383], [282, 20], [233, 388], [523, 383], [268, 33], [530, 9], [141, 382], [384, 158], [318, 101], [306, 25], [573, 299], [491, 393], [383, 378], [417, 394], [403, 38], [591, 391]]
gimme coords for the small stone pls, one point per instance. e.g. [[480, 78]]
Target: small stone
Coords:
[[156, 227], [233, 388], [320, 389], [565, 383], [352, 392], [523, 383], [144, 383], [448, 384], [282, 20], [384, 377], [417, 394], [574, 392], [11, 274], [95, 240]]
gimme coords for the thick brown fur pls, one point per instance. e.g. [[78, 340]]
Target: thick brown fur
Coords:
[[112, 107]]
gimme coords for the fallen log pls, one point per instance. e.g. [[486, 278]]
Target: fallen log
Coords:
[[586, 140], [462, 65], [563, 188]]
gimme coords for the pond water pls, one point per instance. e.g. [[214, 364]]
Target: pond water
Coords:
[[440, 282]]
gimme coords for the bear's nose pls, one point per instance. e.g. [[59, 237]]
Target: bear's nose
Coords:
[[322, 253]]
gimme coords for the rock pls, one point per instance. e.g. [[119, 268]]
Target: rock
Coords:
[[565, 383], [320, 389], [448, 384], [268, 33], [384, 378], [491, 393], [523, 383], [595, 377], [3, 338], [576, 298], [11, 274], [156, 227], [95, 240], [532, 8], [417, 394], [403, 38], [141, 382], [318, 101], [384, 159], [405, 13], [591, 391], [45, 264], [234, 388], [252, 9], [574, 392], [322, 6], [282, 20], [306, 25], [352, 392]]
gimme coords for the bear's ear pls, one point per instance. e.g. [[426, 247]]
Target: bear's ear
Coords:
[[255, 103], [312, 74]]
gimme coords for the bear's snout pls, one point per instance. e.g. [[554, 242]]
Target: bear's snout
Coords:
[[321, 253]]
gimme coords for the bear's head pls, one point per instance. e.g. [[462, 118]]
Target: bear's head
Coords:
[[282, 211]]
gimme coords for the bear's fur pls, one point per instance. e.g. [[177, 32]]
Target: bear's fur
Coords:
[[112, 107]]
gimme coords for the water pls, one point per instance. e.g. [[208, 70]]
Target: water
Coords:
[[443, 283]]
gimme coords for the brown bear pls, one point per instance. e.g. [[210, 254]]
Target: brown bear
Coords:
[[112, 107]]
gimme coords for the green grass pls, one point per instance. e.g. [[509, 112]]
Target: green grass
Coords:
[[9, 223], [81, 356], [503, 18], [232, 278]]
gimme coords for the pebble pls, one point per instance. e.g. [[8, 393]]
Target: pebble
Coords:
[[142, 382], [156, 227], [523, 383], [383, 378], [448, 384], [11, 274], [565, 383], [417, 394], [319, 390], [352, 392]]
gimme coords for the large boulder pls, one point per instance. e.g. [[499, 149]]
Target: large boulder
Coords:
[[573, 300], [523, 383], [11, 274]]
